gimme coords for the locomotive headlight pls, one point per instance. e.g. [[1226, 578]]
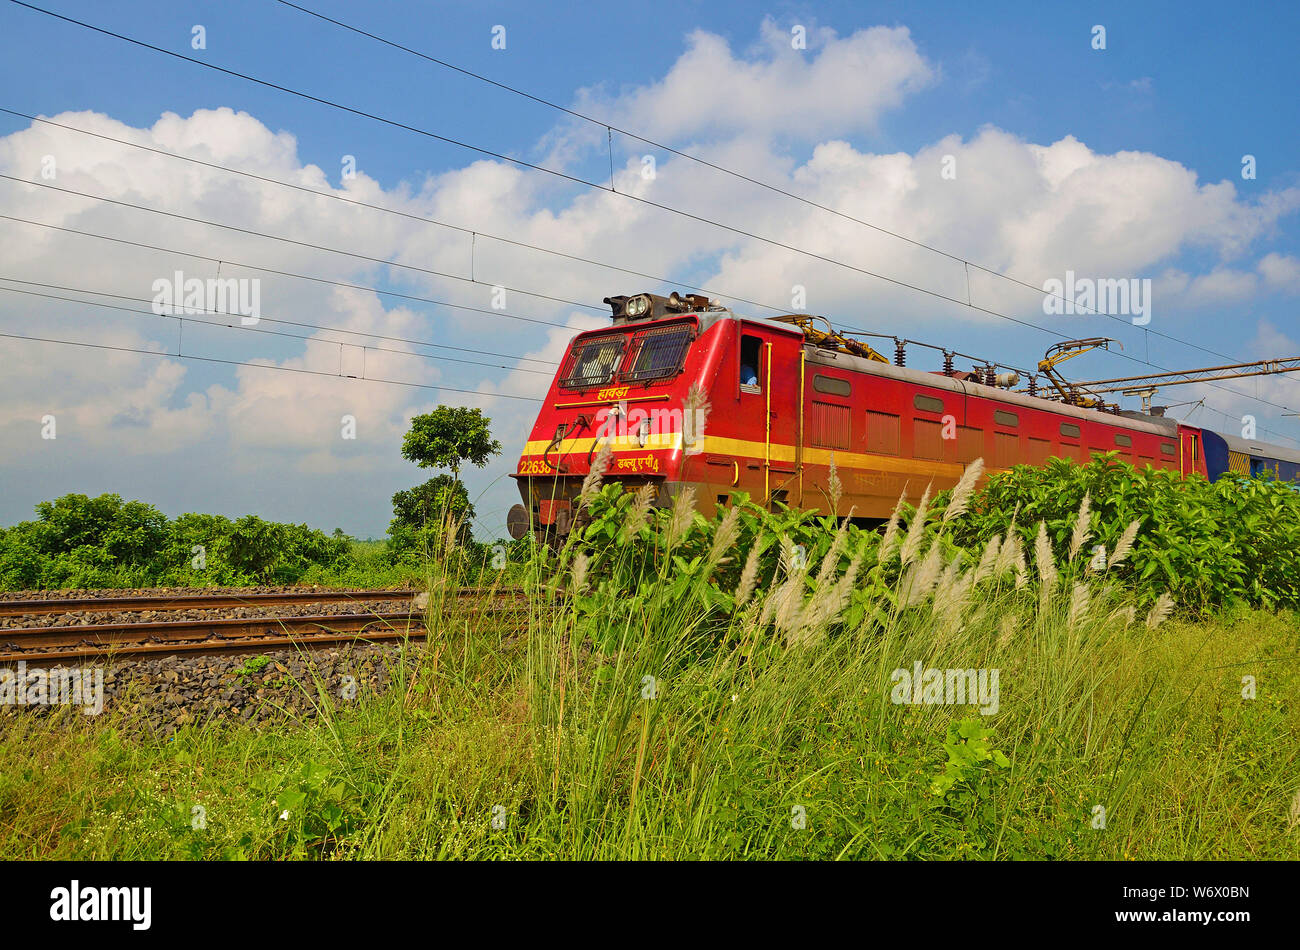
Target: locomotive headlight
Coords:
[[638, 305], [643, 433]]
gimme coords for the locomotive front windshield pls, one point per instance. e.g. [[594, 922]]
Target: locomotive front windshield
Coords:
[[594, 362], [658, 353], [652, 354]]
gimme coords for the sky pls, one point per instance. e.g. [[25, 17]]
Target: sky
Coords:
[[957, 152]]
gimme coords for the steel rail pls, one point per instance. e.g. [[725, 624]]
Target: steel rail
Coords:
[[166, 602]]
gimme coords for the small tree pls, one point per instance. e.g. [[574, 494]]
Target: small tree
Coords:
[[438, 501], [448, 437]]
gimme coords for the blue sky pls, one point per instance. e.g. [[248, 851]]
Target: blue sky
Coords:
[[1123, 162]]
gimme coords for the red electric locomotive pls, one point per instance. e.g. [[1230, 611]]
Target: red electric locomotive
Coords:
[[784, 400]]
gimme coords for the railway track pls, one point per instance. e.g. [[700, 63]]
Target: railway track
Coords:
[[62, 605], [62, 643]]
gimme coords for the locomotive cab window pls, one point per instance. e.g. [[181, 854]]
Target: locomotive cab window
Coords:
[[658, 354], [751, 364], [593, 362]]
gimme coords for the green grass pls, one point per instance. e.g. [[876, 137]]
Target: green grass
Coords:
[[559, 744], [663, 709]]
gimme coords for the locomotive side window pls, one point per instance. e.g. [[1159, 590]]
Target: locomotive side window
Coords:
[[593, 362], [751, 367], [1124, 440], [1167, 448], [1070, 430], [832, 385], [927, 403], [1005, 418], [658, 353]]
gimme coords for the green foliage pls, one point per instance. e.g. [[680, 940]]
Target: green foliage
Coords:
[[313, 809], [254, 664], [78, 541], [422, 514], [1207, 543], [745, 748], [449, 436], [971, 761]]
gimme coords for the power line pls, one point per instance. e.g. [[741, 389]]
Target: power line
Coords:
[[280, 273], [182, 317], [296, 243], [285, 369], [577, 180], [660, 145], [394, 211], [500, 156], [731, 172], [712, 292], [295, 323], [609, 189], [192, 219]]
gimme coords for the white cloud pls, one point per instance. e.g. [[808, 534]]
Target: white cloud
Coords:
[[837, 86], [794, 118], [1281, 272]]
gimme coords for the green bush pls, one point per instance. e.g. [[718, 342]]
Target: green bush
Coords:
[[1207, 543], [81, 542]]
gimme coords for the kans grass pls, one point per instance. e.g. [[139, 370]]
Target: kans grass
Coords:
[[677, 688]]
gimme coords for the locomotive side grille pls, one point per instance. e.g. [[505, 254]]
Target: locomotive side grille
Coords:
[[1006, 449], [883, 433], [927, 439], [828, 425], [970, 444]]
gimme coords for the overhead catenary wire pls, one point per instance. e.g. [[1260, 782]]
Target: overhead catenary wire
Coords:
[[511, 159], [741, 176], [474, 234], [307, 244], [268, 366], [364, 257], [595, 185], [295, 323], [273, 237], [280, 273], [188, 314], [578, 180]]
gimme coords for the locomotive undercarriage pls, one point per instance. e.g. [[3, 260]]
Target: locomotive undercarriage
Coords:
[[551, 508]]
